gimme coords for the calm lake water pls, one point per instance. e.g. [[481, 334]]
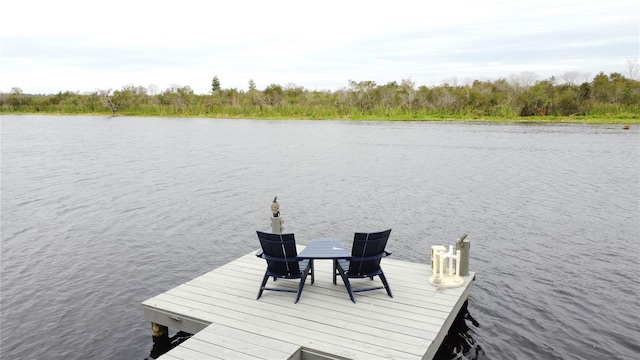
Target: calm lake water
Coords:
[[100, 214]]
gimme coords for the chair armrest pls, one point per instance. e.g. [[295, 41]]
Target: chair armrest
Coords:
[[367, 258], [262, 255]]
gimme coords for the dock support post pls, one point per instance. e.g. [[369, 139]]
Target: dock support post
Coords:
[[159, 333], [161, 340]]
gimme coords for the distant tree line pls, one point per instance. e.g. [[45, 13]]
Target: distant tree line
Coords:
[[612, 95]]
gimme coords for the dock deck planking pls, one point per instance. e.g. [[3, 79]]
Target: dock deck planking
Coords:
[[221, 309]]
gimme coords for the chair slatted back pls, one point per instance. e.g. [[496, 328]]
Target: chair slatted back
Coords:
[[282, 246], [365, 245]]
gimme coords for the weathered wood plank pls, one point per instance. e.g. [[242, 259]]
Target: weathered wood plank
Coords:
[[186, 353], [259, 346], [303, 318], [170, 357], [302, 329], [328, 313], [337, 300]]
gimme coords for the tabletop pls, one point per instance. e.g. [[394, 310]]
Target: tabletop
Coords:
[[324, 249]]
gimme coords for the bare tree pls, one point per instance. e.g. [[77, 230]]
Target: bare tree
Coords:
[[408, 92], [574, 77], [452, 81], [107, 100], [525, 79], [633, 68], [152, 89]]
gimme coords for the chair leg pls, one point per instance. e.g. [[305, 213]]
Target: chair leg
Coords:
[[264, 282], [303, 279], [347, 284], [335, 270], [385, 283]]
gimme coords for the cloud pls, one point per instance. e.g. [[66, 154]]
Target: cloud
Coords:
[[79, 46]]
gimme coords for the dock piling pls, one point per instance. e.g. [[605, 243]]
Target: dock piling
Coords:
[[159, 333]]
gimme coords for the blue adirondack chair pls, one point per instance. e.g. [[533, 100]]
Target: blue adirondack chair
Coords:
[[366, 252], [279, 250]]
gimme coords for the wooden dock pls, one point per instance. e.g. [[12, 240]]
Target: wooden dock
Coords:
[[221, 309]]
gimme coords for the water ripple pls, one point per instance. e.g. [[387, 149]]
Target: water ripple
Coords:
[[99, 214]]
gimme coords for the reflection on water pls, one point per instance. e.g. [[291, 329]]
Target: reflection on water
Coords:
[[162, 346], [459, 342]]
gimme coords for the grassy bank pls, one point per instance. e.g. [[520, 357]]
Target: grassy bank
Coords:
[[608, 99], [323, 114]]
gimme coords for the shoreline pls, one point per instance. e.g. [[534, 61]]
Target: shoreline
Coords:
[[520, 120]]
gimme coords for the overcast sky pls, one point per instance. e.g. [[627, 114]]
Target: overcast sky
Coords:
[[66, 45]]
